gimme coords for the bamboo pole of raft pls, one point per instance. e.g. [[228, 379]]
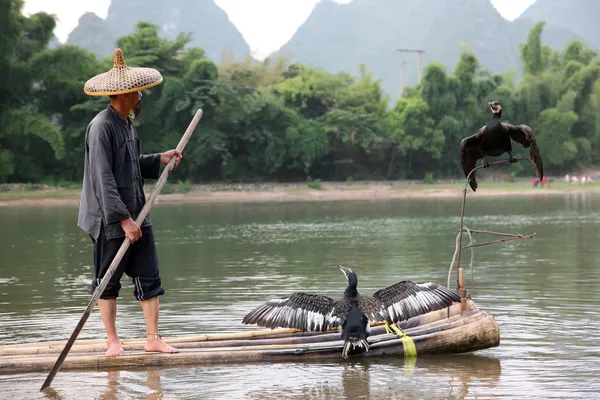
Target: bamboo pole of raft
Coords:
[[468, 334], [98, 348], [266, 335], [116, 261], [184, 339]]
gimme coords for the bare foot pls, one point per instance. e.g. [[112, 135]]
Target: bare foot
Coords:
[[113, 348], [155, 343]]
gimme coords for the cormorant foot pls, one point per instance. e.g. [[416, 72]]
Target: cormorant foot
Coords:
[[513, 160], [486, 164]]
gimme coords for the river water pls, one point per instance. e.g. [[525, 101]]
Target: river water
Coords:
[[220, 261]]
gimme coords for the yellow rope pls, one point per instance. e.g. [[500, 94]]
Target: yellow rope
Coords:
[[407, 343], [409, 346]]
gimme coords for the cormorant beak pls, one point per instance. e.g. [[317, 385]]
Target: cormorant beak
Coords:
[[344, 270], [494, 107]]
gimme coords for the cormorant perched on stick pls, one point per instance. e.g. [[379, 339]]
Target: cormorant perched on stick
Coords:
[[494, 139], [310, 312]]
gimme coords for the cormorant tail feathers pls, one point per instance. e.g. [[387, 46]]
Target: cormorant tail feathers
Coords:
[[362, 343]]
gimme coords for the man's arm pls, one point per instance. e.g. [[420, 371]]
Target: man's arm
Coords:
[[150, 165], [103, 180]]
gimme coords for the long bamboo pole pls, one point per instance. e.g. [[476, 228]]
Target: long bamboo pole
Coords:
[[117, 260]]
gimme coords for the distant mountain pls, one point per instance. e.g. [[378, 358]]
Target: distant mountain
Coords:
[[54, 42], [338, 37], [580, 16], [208, 23], [93, 34], [494, 40], [475, 24]]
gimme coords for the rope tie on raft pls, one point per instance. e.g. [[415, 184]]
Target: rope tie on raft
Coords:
[[409, 346]]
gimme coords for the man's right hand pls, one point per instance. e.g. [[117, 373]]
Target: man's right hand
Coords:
[[132, 229]]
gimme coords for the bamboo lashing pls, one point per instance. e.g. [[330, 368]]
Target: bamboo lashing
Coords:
[[116, 261]]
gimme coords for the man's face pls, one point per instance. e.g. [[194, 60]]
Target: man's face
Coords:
[[133, 102], [136, 102]]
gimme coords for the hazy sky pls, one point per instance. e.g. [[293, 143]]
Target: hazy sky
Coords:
[[263, 33]]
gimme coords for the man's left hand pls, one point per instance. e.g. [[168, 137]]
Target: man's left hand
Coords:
[[167, 155]]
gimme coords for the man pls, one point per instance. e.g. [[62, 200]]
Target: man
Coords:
[[113, 196]]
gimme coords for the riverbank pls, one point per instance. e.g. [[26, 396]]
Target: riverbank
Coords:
[[40, 195]]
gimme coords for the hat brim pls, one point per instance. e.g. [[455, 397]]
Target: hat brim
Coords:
[[121, 80]]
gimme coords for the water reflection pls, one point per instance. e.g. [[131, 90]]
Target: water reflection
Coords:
[[440, 377], [119, 384], [152, 382]]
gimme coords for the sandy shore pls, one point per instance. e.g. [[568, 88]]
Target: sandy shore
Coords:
[[285, 193]]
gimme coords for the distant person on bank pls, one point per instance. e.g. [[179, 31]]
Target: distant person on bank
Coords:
[[113, 196]]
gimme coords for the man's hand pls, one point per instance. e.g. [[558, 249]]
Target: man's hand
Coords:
[[132, 229], [167, 155]]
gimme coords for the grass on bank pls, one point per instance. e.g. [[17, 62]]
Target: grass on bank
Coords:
[[51, 193], [73, 190], [500, 186]]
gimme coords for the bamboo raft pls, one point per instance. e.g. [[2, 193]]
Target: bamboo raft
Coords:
[[445, 331]]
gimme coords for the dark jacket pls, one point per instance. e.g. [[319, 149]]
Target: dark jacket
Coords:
[[113, 177]]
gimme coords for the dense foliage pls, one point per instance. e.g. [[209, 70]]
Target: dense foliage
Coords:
[[273, 121]]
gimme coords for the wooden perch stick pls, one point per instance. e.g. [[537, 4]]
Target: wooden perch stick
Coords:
[[457, 252], [494, 233], [516, 237], [464, 200]]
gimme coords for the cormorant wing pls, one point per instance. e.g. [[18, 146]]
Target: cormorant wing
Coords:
[[373, 308], [307, 312], [523, 134], [407, 299], [470, 152]]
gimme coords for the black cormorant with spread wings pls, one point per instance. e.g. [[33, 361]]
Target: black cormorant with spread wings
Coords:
[[494, 139], [352, 313]]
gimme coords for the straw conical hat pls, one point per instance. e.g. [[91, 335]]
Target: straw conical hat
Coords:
[[122, 79]]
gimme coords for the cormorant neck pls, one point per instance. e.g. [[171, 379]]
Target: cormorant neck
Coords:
[[351, 290], [498, 114]]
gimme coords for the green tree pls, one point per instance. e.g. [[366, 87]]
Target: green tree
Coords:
[[272, 120], [27, 134]]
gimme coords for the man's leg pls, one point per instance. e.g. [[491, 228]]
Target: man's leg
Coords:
[[153, 341], [108, 311], [143, 269], [104, 253]]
